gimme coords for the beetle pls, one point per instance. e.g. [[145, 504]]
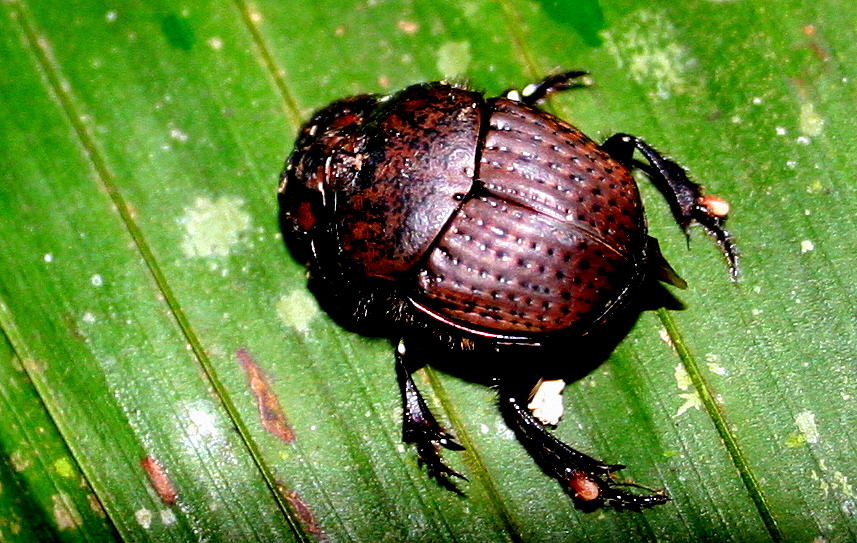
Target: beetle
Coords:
[[487, 228]]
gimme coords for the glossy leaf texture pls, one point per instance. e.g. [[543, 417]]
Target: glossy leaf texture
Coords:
[[166, 374]]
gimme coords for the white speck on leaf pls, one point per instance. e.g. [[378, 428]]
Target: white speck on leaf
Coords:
[[144, 518], [215, 43], [49, 257], [88, 317], [665, 337], [168, 518], [503, 431], [691, 401], [682, 379], [96, 280], [178, 135], [805, 421], [806, 246], [717, 369], [780, 131], [213, 228]]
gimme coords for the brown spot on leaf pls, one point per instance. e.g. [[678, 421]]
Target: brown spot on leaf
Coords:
[[270, 411], [160, 480], [302, 510]]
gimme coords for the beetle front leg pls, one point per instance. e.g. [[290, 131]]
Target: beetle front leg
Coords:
[[588, 480], [535, 93], [421, 428], [686, 198]]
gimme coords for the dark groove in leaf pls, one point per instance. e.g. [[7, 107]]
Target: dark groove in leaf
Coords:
[[533, 70], [690, 364], [52, 73], [471, 450], [356, 370], [292, 110], [730, 441], [295, 117]]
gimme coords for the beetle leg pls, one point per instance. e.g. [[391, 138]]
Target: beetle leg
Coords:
[[421, 428], [686, 198], [588, 480], [535, 93]]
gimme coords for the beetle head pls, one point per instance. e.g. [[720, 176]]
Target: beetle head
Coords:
[[327, 158]]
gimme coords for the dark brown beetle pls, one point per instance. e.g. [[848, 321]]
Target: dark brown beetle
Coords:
[[437, 216]]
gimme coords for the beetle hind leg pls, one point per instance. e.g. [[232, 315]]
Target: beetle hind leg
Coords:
[[421, 428], [589, 481], [686, 198]]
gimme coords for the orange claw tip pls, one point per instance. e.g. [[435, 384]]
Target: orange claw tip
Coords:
[[715, 205], [585, 488]]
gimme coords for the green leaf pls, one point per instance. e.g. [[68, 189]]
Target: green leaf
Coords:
[[168, 376]]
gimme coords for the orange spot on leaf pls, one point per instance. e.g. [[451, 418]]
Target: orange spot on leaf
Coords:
[[270, 411], [160, 480], [303, 512]]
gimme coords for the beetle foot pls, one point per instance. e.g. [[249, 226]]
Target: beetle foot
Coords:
[[420, 427], [687, 199], [428, 455], [589, 481], [594, 490]]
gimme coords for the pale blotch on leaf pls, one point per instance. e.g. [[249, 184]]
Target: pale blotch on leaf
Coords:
[[717, 369], [811, 123], [453, 58], [144, 518], [805, 421], [95, 505], [689, 395], [19, 460], [297, 309], [649, 48], [63, 467], [682, 378], [168, 518], [213, 228], [64, 512], [795, 440]]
